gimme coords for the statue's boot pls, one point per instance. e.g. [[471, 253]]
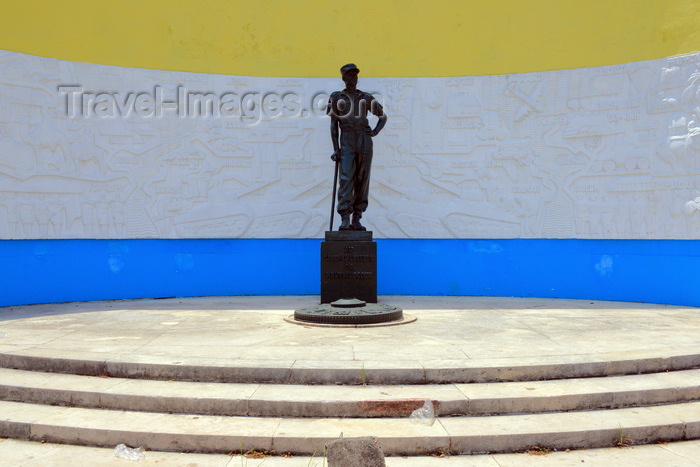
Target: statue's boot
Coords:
[[345, 222], [356, 223]]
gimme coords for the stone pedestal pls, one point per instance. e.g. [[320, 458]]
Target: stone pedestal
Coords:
[[348, 267], [349, 284]]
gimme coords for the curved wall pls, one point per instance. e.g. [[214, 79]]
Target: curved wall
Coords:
[[39, 271], [395, 38], [580, 182]]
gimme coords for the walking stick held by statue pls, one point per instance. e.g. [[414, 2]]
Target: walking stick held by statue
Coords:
[[336, 158]]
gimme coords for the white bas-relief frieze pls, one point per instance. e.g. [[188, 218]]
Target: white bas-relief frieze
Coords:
[[93, 151]]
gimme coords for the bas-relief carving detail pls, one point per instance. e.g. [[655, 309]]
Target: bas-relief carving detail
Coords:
[[609, 152]]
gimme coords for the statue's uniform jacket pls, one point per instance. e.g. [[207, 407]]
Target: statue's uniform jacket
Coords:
[[350, 109]]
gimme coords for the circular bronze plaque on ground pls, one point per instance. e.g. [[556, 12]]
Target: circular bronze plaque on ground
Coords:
[[370, 313]]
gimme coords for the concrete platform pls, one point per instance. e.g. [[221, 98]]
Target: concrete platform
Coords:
[[215, 375], [454, 339]]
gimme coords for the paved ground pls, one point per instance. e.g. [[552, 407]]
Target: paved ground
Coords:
[[26, 453], [449, 331]]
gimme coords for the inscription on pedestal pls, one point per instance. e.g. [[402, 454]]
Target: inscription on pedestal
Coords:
[[349, 267]]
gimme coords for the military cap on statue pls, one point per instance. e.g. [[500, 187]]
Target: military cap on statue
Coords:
[[349, 67]]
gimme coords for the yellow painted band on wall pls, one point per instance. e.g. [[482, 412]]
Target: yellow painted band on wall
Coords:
[[314, 38]]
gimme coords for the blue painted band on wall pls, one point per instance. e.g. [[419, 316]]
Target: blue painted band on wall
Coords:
[[44, 271]]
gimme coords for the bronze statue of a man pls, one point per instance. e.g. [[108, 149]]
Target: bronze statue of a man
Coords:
[[352, 145]]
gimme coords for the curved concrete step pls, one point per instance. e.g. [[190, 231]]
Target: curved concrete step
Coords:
[[472, 357], [264, 400], [456, 435], [683, 453], [353, 372]]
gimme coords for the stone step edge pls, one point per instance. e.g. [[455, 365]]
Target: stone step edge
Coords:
[[62, 454], [350, 376], [152, 396], [459, 435]]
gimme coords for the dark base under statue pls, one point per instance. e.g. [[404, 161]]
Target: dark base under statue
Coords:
[[348, 266], [349, 283]]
